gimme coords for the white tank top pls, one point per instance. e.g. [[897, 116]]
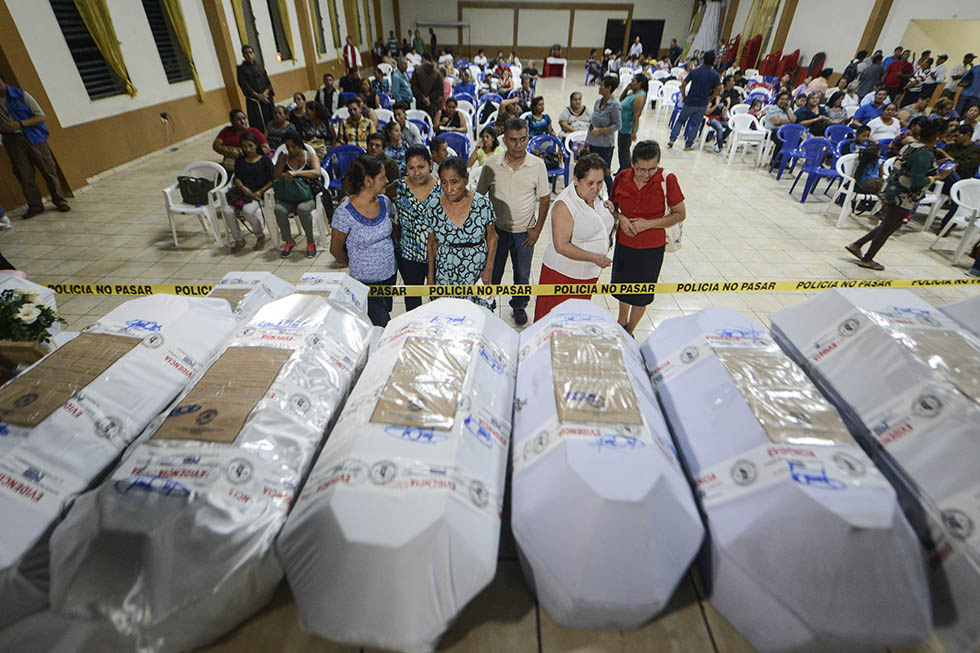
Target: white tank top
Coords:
[[590, 231]]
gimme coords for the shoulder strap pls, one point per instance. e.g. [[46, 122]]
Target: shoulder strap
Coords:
[[663, 187]]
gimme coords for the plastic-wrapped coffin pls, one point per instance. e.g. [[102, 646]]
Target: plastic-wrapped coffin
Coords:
[[907, 380], [966, 312], [807, 540], [247, 292], [336, 285], [67, 418], [603, 516], [398, 525], [176, 547]]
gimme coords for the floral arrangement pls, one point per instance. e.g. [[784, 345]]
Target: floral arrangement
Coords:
[[23, 318]]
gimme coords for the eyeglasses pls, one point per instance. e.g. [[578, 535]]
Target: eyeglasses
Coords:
[[646, 171]]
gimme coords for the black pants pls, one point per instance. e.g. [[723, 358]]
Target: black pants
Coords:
[[624, 143], [259, 113], [894, 217], [606, 154], [379, 308], [413, 274]]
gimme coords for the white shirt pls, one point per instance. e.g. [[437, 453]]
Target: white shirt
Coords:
[[869, 98], [446, 60], [879, 130], [414, 59], [591, 226], [480, 61], [850, 100], [958, 70], [937, 75], [636, 49]]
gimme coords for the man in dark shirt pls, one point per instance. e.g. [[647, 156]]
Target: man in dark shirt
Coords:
[[255, 84], [703, 81], [870, 76], [351, 82], [427, 86], [674, 53], [966, 154], [328, 96], [813, 116]]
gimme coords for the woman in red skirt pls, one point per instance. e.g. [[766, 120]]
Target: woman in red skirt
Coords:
[[581, 226]]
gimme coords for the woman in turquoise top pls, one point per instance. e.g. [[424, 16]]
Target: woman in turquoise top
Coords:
[[538, 123], [633, 100], [462, 240], [411, 194]]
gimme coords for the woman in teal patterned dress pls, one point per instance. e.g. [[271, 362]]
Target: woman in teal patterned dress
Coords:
[[462, 240], [411, 195]]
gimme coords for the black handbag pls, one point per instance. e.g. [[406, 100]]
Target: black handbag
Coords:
[[194, 190]]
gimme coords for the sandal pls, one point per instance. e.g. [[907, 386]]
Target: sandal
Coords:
[[237, 247], [259, 243], [855, 250], [871, 265]]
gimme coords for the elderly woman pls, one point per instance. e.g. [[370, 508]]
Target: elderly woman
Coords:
[[411, 194], [279, 127], [362, 229], [575, 117], [297, 170], [462, 241], [581, 234], [647, 199], [450, 119], [228, 142]]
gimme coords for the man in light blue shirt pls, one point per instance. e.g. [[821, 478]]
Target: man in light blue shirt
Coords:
[[401, 89], [868, 112]]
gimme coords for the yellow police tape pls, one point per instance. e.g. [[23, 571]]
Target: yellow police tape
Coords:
[[536, 290]]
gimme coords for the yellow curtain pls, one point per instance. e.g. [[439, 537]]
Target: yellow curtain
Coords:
[[236, 8], [176, 16], [95, 15], [319, 39], [367, 25], [286, 29], [761, 16]]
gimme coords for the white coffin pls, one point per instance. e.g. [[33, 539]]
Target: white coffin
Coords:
[[338, 286], [966, 312], [907, 380], [43, 467], [187, 522], [602, 513], [808, 545], [247, 292], [398, 525]]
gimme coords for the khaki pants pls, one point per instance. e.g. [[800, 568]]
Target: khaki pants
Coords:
[[24, 158]]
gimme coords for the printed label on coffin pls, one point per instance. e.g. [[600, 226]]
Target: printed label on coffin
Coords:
[[425, 384], [216, 408], [31, 397], [591, 381]]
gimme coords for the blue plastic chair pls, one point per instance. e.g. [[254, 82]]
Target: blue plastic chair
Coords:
[[591, 76], [843, 147], [678, 105], [836, 133], [337, 161], [490, 97], [457, 142], [423, 128], [884, 143], [814, 151], [465, 96], [385, 100], [346, 97], [513, 93], [791, 135], [548, 143], [762, 97]]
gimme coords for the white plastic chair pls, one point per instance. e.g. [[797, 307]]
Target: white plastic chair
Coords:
[[341, 114], [319, 217], [417, 114], [966, 194], [653, 91], [886, 167], [385, 69], [751, 72], [575, 137], [845, 168], [738, 109], [746, 130], [207, 214], [660, 74], [490, 120], [384, 115], [665, 100], [850, 110], [933, 199], [676, 70]]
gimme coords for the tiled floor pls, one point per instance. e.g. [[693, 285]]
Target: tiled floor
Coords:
[[742, 225]]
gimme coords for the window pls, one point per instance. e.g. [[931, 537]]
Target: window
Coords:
[[321, 42], [171, 55], [251, 31], [98, 78], [277, 31], [334, 23]]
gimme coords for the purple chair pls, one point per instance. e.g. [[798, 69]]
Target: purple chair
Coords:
[[814, 151], [791, 135], [458, 142], [337, 161], [548, 143]]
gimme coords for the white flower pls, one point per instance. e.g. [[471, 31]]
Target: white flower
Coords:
[[28, 313]]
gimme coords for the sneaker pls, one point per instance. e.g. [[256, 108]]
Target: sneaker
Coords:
[[973, 272], [287, 249], [310, 250], [5, 223], [237, 247], [520, 316], [259, 243], [717, 148], [31, 212], [670, 144]]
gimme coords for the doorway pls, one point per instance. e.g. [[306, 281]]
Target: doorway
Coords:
[[650, 31]]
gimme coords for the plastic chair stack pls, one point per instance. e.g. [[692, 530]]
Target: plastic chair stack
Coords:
[[746, 130]]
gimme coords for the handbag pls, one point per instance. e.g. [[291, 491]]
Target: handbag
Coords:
[[194, 190], [292, 191], [674, 233]]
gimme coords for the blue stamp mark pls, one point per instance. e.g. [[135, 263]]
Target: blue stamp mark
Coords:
[[818, 480], [479, 431], [733, 332], [151, 485], [415, 434], [142, 325], [618, 441], [494, 364]]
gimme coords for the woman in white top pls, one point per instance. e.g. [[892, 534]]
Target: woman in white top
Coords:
[[851, 98], [581, 226], [885, 126]]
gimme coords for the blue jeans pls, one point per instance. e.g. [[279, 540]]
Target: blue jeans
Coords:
[[692, 117], [721, 131], [512, 244]]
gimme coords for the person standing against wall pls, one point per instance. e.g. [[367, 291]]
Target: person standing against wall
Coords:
[[25, 137], [255, 84], [352, 57], [433, 41]]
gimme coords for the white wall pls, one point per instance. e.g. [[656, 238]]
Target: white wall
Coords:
[[487, 26], [543, 27], [676, 15], [841, 43], [903, 11], [48, 51]]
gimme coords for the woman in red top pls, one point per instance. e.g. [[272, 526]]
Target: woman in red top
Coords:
[[641, 195], [897, 75], [229, 140]]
